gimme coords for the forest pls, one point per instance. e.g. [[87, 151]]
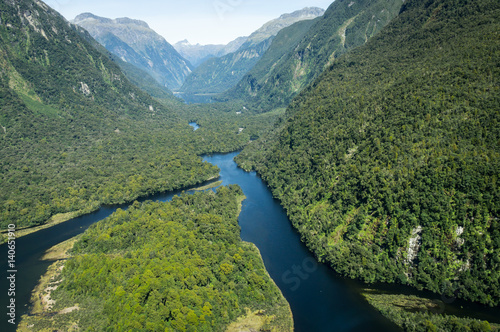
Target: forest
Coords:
[[388, 164], [88, 136], [177, 266]]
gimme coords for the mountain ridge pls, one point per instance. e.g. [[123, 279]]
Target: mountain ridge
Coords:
[[135, 42], [343, 26], [197, 54], [216, 75]]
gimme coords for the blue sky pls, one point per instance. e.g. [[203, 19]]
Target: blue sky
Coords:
[[199, 21]]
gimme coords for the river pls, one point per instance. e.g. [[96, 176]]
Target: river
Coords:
[[320, 300]]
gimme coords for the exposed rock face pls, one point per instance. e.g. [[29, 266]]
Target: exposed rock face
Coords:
[[414, 244]]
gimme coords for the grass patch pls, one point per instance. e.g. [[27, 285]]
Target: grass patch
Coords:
[[252, 321], [59, 251], [209, 186]]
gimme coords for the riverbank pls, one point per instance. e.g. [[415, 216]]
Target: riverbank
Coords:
[[209, 186], [415, 313], [70, 313], [54, 220], [63, 217], [42, 315]]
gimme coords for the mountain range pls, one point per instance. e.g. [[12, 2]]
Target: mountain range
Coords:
[[283, 73], [197, 54], [386, 159], [219, 74], [135, 42]]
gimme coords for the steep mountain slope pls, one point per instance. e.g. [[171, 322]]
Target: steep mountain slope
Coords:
[[75, 133], [134, 42], [219, 74], [197, 54], [137, 76], [346, 24], [388, 164]]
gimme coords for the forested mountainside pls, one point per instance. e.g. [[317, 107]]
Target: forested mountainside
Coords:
[[284, 43], [75, 133], [135, 42], [345, 25], [135, 75], [388, 164], [177, 266], [220, 74]]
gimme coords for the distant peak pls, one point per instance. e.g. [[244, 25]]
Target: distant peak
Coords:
[[126, 20], [89, 16], [307, 11], [122, 20], [184, 42]]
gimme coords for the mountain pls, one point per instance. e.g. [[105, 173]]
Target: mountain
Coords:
[[134, 42], [281, 47], [345, 25], [388, 163], [197, 54], [137, 76], [219, 74], [75, 133]]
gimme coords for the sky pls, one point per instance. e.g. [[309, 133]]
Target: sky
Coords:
[[198, 21]]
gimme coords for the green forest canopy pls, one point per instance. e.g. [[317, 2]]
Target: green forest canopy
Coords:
[[388, 164]]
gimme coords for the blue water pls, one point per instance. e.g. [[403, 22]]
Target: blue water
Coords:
[[194, 125], [320, 300]]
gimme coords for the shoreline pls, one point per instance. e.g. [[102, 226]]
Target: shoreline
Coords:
[[429, 313], [53, 221], [44, 308], [41, 303], [63, 217]]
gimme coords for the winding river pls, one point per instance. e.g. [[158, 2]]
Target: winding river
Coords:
[[320, 299]]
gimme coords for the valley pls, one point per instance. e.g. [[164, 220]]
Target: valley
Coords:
[[365, 141]]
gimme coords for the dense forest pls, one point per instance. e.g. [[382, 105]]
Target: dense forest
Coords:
[[77, 134], [177, 266], [388, 164]]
